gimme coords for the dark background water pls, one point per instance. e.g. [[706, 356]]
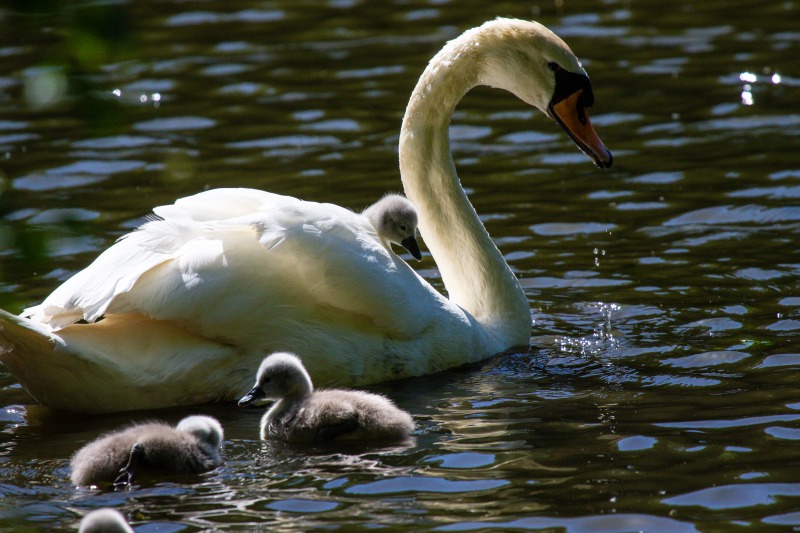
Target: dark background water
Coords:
[[660, 391]]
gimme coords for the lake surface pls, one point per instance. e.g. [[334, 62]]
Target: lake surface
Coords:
[[661, 389]]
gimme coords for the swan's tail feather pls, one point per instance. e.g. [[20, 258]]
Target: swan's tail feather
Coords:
[[23, 343], [21, 335], [118, 364], [41, 362]]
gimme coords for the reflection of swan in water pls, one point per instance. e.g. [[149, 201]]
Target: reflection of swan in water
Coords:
[[191, 447], [304, 415], [191, 303]]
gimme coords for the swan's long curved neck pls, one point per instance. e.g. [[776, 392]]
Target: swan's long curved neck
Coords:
[[474, 271]]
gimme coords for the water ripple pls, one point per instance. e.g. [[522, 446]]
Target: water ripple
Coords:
[[727, 214], [551, 229], [175, 124], [419, 484], [302, 506], [707, 359], [726, 424], [735, 496], [590, 524], [75, 174], [256, 16]]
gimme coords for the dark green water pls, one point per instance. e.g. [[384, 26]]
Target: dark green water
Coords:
[[660, 391]]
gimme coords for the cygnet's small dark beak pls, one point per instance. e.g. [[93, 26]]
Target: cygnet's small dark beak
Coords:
[[411, 245], [255, 394]]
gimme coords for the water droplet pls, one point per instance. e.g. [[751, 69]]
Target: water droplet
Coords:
[[747, 77]]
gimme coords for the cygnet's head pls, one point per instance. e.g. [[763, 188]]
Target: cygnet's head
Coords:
[[280, 375], [104, 520], [207, 429], [395, 219]]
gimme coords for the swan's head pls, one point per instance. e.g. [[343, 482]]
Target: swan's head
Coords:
[[533, 63], [280, 375], [395, 220], [207, 429]]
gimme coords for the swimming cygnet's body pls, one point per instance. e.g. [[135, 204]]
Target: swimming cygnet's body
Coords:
[[395, 219], [303, 415], [104, 520], [190, 447]]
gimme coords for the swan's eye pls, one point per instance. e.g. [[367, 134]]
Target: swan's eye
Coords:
[[555, 67]]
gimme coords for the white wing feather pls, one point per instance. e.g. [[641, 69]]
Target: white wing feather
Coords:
[[221, 262]]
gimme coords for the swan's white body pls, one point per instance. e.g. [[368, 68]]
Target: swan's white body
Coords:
[[192, 303]]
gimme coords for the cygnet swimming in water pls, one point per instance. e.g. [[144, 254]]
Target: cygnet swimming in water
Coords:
[[303, 415], [395, 219], [104, 520], [190, 447]]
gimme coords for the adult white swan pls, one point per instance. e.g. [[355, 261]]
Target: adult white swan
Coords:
[[181, 310]]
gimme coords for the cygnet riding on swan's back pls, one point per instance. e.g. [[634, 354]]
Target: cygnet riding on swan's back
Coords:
[[304, 415], [395, 219], [179, 311], [150, 448]]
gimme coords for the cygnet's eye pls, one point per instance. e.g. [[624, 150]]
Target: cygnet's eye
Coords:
[[555, 67], [403, 227], [266, 380]]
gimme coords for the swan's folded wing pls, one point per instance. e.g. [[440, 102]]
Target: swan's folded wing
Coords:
[[217, 205], [87, 294], [305, 264], [232, 264], [259, 265], [341, 263]]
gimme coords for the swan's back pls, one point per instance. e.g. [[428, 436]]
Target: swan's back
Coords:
[[249, 252], [166, 450]]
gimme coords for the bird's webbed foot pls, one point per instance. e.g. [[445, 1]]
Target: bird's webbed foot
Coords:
[[127, 473]]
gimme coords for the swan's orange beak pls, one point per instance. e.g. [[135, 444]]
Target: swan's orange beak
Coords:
[[571, 114]]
